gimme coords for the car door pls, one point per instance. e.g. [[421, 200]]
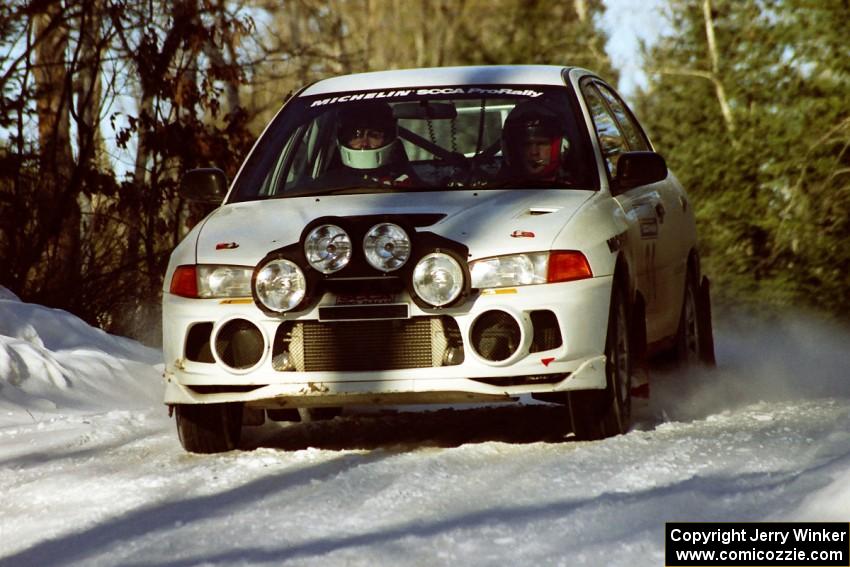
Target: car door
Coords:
[[673, 240], [646, 207]]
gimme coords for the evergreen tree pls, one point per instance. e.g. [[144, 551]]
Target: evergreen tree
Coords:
[[747, 100]]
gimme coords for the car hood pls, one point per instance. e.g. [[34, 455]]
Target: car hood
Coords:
[[489, 223]]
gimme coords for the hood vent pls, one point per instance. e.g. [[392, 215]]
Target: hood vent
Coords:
[[537, 211]]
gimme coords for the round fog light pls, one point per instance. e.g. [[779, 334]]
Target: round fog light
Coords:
[[387, 247], [280, 285], [328, 248], [438, 279]]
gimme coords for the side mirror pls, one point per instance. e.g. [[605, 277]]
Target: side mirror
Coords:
[[205, 185], [639, 168]]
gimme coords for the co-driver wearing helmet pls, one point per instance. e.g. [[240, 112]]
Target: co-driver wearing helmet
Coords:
[[534, 144]]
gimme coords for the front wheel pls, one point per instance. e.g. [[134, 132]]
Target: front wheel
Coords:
[[209, 428], [596, 414]]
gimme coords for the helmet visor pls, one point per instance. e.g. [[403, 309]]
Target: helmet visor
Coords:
[[364, 137]]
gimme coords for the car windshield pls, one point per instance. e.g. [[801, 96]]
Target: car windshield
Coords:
[[428, 139]]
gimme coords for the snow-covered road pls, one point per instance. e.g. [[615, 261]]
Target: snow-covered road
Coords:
[[91, 472]]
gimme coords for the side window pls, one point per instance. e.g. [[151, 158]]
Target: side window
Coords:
[[292, 151], [307, 154], [634, 135], [611, 139], [296, 157]]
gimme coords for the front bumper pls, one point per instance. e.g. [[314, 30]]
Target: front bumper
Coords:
[[580, 307]]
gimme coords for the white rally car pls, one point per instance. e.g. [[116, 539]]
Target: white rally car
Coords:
[[466, 234]]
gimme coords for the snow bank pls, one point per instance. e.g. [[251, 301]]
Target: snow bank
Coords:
[[6, 294], [51, 361]]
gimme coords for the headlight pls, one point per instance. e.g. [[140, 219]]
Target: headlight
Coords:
[[328, 248], [387, 247], [529, 269], [506, 271], [280, 285], [438, 279], [224, 281]]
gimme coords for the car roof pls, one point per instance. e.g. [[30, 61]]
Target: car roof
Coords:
[[440, 76]]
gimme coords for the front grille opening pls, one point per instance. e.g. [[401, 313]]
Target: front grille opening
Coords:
[[282, 360], [523, 380], [239, 344], [420, 342], [454, 343], [495, 335], [198, 343], [229, 389], [547, 334]]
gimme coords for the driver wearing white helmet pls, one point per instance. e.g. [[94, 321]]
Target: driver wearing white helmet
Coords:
[[367, 137]]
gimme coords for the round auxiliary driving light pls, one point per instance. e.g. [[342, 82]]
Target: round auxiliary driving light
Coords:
[[387, 247], [280, 285], [438, 279], [328, 248]]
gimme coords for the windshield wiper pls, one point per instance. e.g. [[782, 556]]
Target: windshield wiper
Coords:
[[528, 184], [342, 190]]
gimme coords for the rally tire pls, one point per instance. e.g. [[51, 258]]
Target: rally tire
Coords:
[[694, 337], [707, 356], [597, 414], [209, 428]]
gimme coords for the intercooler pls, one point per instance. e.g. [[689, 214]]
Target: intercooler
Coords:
[[419, 342]]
